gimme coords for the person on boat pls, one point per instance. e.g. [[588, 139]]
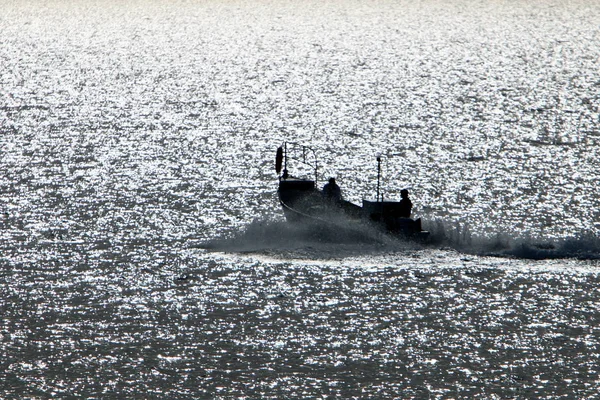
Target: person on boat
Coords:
[[332, 191], [405, 204]]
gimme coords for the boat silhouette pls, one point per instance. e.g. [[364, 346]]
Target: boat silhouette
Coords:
[[303, 203]]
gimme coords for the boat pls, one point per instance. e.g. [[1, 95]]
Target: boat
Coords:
[[304, 204]]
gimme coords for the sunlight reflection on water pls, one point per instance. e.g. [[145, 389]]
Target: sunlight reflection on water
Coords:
[[132, 135]]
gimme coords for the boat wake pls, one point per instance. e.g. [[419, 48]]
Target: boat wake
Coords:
[[585, 246], [268, 236], [297, 240]]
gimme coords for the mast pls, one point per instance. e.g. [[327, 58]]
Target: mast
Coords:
[[378, 176]]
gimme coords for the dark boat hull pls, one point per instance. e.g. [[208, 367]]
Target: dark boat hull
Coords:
[[303, 204]]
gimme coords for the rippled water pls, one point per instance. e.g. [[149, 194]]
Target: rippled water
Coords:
[[143, 253]]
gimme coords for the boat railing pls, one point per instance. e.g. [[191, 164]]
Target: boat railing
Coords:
[[302, 154]]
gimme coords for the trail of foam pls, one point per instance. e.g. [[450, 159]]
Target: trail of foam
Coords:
[[264, 236], [585, 246]]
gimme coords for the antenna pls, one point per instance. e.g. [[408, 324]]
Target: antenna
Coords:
[[378, 175]]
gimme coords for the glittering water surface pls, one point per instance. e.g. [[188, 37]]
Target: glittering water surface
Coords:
[[143, 253]]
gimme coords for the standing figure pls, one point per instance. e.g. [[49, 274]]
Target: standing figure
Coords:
[[332, 191], [405, 204]]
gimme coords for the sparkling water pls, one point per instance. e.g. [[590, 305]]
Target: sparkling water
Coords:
[[143, 250]]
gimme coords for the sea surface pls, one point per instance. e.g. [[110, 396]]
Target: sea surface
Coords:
[[143, 253]]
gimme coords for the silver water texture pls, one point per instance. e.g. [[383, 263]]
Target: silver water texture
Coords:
[[135, 135]]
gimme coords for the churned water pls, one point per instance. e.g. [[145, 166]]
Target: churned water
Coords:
[[143, 252]]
